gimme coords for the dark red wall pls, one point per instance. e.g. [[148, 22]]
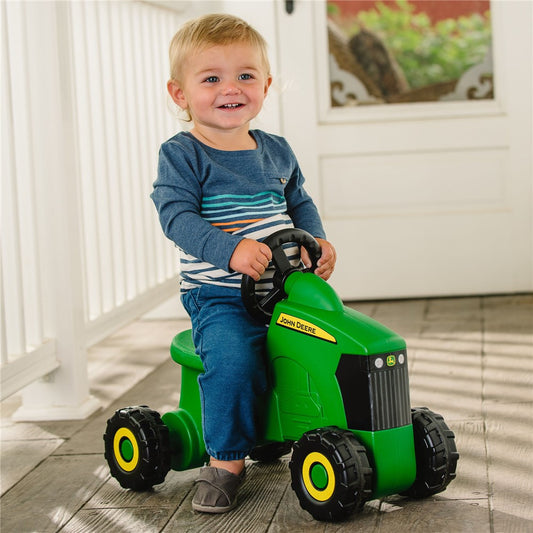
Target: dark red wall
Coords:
[[436, 9]]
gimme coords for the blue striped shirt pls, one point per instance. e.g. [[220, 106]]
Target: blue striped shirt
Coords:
[[208, 200]]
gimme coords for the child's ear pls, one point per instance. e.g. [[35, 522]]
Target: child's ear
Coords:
[[176, 93], [268, 82]]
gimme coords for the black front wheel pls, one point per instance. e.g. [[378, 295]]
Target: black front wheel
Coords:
[[436, 453], [137, 447], [330, 473]]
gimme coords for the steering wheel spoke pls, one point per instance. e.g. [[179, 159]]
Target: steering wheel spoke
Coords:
[[280, 260], [270, 299]]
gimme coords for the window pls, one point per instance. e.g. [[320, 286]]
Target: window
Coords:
[[400, 51]]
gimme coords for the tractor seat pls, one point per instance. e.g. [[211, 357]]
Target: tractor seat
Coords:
[[182, 351]]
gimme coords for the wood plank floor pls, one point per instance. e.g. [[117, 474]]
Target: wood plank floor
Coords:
[[471, 359]]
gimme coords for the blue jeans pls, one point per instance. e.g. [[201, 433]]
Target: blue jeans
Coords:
[[231, 346]]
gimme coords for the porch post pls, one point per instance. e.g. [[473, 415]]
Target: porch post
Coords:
[[63, 394]]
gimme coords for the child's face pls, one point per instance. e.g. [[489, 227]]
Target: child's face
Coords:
[[223, 87]]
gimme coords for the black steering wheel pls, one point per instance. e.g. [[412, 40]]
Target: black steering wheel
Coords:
[[261, 306]]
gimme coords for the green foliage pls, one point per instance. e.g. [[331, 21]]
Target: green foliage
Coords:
[[427, 53]]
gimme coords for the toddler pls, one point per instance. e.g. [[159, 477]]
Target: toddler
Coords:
[[222, 188]]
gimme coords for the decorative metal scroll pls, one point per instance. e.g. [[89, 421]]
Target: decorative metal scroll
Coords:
[[476, 83], [346, 88]]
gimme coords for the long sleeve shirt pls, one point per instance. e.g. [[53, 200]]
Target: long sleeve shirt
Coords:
[[208, 200]]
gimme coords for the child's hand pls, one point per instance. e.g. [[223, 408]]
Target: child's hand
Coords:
[[251, 257], [326, 263]]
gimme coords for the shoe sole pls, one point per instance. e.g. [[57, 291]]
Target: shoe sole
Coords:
[[213, 510]]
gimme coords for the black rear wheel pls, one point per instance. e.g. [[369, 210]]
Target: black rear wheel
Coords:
[[137, 447], [436, 453], [330, 473]]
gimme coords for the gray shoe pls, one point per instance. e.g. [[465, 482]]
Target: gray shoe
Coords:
[[217, 490]]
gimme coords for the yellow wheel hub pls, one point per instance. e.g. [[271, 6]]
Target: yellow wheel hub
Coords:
[[126, 449], [318, 476]]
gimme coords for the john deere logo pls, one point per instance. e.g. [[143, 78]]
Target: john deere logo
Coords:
[[302, 326], [391, 360]]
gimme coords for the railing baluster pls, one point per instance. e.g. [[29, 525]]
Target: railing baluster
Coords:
[[11, 236], [30, 262], [119, 148]]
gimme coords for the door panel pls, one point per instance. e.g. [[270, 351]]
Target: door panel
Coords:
[[420, 198]]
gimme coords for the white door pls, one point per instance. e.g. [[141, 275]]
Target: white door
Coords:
[[420, 198]]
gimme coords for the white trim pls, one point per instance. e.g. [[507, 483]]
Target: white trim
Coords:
[[415, 111], [78, 412]]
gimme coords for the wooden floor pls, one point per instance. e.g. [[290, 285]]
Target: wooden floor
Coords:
[[471, 359]]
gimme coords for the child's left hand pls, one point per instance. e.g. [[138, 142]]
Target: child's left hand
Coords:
[[326, 263]]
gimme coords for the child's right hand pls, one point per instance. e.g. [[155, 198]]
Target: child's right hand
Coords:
[[251, 257]]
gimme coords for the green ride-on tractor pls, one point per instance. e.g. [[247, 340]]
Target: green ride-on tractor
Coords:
[[338, 396]]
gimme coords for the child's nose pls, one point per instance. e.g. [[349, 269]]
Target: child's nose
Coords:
[[230, 89]]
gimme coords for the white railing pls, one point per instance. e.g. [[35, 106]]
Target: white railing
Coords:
[[26, 352], [83, 114], [122, 119]]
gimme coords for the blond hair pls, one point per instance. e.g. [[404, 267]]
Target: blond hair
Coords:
[[211, 30]]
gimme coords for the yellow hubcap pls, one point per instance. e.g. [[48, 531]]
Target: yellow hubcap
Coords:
[[317, 466], [125, 440]]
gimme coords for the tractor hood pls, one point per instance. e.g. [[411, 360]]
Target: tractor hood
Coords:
[[314, 309]]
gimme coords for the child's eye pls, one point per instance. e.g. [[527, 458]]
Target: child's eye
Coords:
[[211, 79], [245, 76]]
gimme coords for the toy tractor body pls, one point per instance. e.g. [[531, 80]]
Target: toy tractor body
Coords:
[[338, 394]]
